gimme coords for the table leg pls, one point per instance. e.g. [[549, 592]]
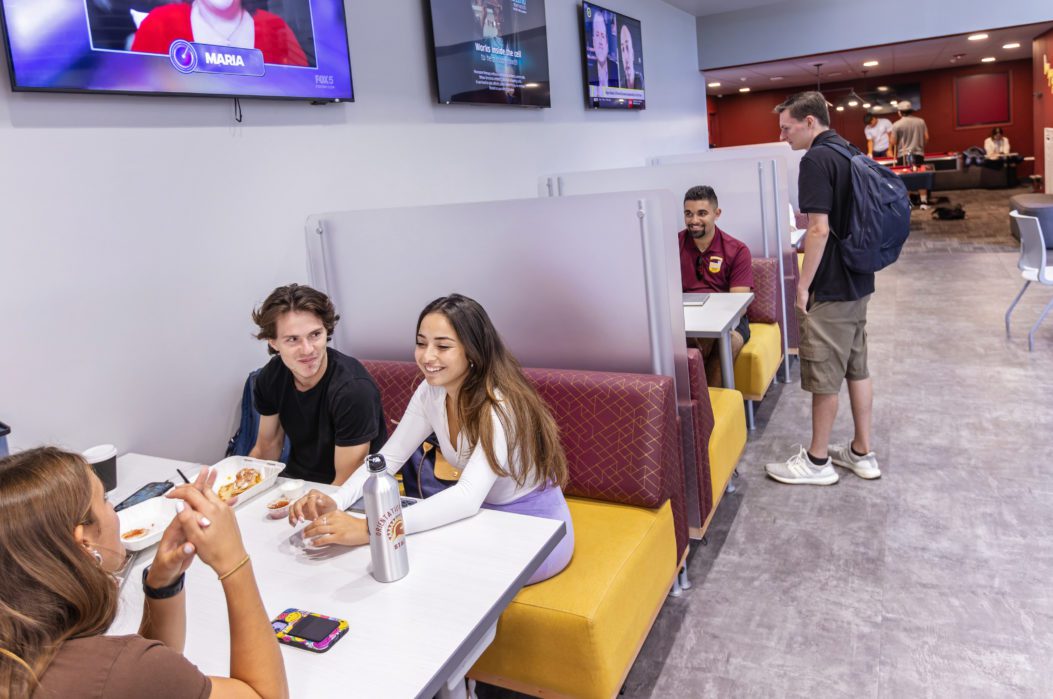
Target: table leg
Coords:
[[727, 366]]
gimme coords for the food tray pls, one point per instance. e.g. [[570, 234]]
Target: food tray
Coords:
[[227, 470], [154, 515]]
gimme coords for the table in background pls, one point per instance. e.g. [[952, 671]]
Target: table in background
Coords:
[[716, 318], [914, 180], [406, 638]]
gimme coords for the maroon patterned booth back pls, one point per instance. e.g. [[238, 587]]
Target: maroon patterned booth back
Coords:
[[397, 381], [619, 431], [702, 417], [765, 305]]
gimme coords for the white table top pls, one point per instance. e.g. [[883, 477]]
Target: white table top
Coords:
[[406, 637], [717, 315]]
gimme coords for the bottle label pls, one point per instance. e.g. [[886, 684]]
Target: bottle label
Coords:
[[391, 528]]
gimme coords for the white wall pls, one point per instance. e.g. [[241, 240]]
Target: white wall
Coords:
[[137, 233], [805, 27]]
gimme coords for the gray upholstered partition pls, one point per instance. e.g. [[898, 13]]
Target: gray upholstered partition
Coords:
[[753, 200], [581, 283], [756, 151]]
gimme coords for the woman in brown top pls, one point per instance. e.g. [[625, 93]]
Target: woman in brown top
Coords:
[[59, 545]]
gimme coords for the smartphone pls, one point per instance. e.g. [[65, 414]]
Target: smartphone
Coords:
[[308, 630], [150, 490], [359, 505]]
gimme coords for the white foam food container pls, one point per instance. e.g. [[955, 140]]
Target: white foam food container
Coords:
[[227, 471], [153, 515]]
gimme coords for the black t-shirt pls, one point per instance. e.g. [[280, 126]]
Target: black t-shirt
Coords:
[[825, 187], [342, 410]]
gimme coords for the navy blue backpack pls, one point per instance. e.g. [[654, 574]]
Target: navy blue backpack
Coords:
[[880, 220], [245, 438]]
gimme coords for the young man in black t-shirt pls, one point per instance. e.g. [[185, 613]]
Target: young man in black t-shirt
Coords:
[[831, 302], [324, 401]]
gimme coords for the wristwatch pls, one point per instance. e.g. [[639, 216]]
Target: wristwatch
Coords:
[[162, 592]]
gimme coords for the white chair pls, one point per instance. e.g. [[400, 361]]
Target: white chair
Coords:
[[1033, 267]]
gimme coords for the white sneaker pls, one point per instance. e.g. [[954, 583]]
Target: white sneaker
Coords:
[[799, 470], [862, 466]]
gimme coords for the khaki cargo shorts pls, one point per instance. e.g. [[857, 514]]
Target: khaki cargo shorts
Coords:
[[833, 345]]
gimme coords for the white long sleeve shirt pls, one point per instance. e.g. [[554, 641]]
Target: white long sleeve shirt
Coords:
[[426, 413]]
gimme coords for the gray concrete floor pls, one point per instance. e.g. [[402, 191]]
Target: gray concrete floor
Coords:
[[935, 580]]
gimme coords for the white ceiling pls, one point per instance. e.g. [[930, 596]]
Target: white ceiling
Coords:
[[702, 8], [911, 57]]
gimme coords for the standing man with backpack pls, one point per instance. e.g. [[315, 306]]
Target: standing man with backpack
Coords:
[[831, 297]]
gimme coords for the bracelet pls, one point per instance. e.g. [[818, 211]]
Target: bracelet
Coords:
[[162, 592], [235, 568]]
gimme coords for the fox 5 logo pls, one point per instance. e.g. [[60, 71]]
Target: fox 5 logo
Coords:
[[323, 80]]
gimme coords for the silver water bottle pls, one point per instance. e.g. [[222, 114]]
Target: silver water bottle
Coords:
[[387, 533]]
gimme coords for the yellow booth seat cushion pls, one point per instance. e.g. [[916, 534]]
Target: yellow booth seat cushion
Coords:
[[577, 634], [758, 361], [728, 438]]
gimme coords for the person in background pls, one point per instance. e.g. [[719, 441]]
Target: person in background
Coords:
[[711, 261], [877, 130], [600, 73], [60, 544], [907, 142], [997, 145], [831, 302], [631, 77], [325, 401]]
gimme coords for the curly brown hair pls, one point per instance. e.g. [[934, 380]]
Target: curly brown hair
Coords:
[[294, 297]]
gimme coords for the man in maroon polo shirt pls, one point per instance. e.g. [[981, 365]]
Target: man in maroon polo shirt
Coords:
[[711, 261]]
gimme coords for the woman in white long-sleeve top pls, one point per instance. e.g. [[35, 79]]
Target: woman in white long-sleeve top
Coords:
[[490, 423]]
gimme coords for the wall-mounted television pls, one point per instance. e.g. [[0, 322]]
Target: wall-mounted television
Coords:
[[614, 68], [289, 49], [491, 52]]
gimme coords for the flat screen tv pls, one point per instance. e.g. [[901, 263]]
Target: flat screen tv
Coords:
[[491, 52], [287, 49], [614, 67]]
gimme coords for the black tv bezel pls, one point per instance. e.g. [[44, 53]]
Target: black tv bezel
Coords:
[[141, 93], [433, 60], [585, 61]]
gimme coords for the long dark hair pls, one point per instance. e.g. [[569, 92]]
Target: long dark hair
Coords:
[[51, 590], [531, 431]]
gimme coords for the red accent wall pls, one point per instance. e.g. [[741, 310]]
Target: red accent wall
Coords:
[[1042, 96], [748, 118]]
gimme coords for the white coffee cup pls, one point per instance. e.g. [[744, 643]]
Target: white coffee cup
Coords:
[[103, 460]]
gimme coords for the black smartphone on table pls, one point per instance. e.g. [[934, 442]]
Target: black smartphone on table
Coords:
[[150, 490]]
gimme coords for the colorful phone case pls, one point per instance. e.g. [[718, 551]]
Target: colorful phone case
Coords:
[[285, 621]]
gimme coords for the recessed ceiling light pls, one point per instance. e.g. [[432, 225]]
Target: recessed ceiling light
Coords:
[[977, 37], [775, 77], [840, 108], [853, 103], [830, 75], [987, 59], [870, 64], [532, 85], [1013, 45], [744, 89], [712, 84], [883, 88]]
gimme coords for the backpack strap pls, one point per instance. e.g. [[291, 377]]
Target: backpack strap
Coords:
[[837, 147]]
